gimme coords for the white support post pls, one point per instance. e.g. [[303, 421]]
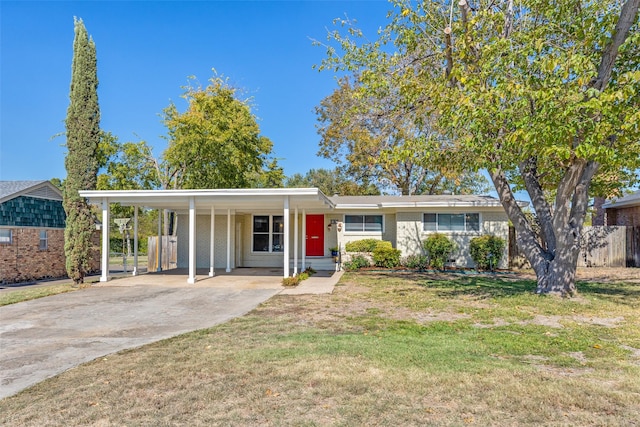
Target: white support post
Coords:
[[228, 270], [135, 241], [104, 264], [295, 241], [212, 243], [286, 236], [304, 241], [192, 241], [159, 248]]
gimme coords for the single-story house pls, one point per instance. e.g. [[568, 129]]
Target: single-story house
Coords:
[[624, 210], [292, 228], [32, 222]]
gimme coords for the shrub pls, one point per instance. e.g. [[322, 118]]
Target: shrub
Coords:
[[356, 263], [486, 251], [439, 247], [303, 276], [416, 262], [364, 245], [310, 271], [290, 281], [385, 256]]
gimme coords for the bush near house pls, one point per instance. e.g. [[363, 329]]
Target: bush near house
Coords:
[[416, 262], [438, 247], [486, 251], [356, 263], [364, 245], [384, 255]]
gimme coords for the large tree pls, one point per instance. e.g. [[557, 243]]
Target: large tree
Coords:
[[216, 142], [374, 133], [543, 95], [82, 139]]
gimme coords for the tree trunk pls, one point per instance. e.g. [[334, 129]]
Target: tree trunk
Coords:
[[557, 276], [555, 266]]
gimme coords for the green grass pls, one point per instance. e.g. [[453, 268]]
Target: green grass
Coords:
[[381, 350], [19, 295]]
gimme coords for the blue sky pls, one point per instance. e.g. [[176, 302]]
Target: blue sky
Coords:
[[146, 50]]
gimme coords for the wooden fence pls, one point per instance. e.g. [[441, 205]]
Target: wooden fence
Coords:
[[169, 253], [601, 246]]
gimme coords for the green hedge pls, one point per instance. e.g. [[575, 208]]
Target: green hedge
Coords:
[[356, 263], [364, 245], [385, 256], [416, 262], [486, 251], [438, 247]]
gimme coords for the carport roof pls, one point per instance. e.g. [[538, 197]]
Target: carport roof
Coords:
[[243, 200]]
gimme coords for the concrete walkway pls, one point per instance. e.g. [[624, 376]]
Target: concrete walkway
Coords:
[[47, 336], [320, 283]]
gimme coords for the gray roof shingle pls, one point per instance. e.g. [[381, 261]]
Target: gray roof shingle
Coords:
[[11, 188]]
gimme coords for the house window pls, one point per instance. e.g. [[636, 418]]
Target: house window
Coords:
[[6, 236], [44, 241], [268, 233], [451, 222], [363, 223]]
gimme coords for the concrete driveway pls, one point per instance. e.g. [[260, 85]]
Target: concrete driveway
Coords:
[[45, 337]]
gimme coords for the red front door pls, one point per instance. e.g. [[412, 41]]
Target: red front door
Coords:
[[315, 235]]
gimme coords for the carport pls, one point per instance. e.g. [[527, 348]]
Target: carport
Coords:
[[191, 203]]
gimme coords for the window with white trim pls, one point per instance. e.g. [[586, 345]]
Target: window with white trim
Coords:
[[6, 236], [44, 241], [363, 223], [268, 233], [451, 222]]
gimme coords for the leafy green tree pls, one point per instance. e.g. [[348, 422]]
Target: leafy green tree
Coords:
[[131, 166], [332, 182], [373, 133], [83, 137], [271, 177], [216, 142], [58, 183], [543, 95]]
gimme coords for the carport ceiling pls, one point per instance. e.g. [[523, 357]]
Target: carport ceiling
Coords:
[[238, 200]]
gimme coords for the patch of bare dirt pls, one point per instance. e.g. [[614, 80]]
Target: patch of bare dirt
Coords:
[[635, 352], [550, 321], [611, 322], [609, 274], [579, 356], [497, 322]]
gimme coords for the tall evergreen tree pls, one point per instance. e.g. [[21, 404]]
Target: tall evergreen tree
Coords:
[[81, 162]]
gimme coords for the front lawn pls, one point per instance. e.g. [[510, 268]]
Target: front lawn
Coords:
[[383, 349]]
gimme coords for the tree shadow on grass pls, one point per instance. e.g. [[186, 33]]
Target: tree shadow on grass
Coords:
[[483, 287], [480, 287], [618, 292]]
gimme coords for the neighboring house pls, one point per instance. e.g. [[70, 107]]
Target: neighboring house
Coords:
[[292, 228], [31, 231], [624, 211]]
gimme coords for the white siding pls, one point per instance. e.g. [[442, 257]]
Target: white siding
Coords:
[[411, 234]]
